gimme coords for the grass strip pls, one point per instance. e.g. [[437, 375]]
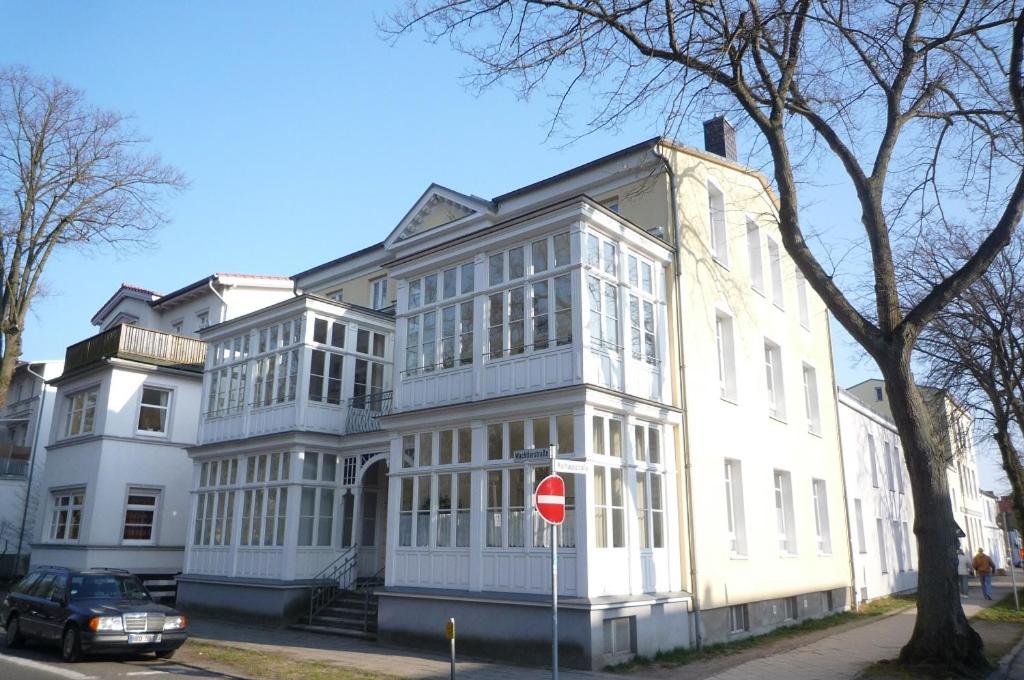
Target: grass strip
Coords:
[[687, 655], [1003, 611], [256, 664]]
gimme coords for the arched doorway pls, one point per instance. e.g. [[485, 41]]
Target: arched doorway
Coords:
[[372, 518]]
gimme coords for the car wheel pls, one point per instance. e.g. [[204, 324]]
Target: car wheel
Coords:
[[165, 654], [71, 646], [15, 638]]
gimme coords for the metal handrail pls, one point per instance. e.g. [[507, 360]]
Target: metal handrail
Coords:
[[367, 589], [337, 575], [364, 411]]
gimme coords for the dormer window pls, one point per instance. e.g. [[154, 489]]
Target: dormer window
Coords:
[[177, 326], [202, 319]]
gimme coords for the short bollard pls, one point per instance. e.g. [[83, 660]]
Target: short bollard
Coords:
[[449, 632]]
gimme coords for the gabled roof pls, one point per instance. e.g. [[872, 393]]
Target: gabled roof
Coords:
[[438, 206], [155, 300], [127, 291]]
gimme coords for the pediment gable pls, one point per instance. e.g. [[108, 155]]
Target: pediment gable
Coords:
[[437, 207]]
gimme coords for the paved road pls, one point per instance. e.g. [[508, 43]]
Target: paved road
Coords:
[[39, 662]]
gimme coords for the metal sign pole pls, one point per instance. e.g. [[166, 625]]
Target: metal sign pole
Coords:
[[553, 451], [1009, 553], [450, 631]]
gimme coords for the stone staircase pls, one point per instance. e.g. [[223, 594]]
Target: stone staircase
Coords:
[[351, 613]]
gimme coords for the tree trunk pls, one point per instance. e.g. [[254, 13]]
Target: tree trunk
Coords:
[[942, 634], [8, 362]]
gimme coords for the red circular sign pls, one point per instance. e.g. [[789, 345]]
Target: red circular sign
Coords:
[[550, 499]]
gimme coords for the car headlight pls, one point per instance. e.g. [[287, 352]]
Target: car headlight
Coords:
[[108, 623], [174, 623]]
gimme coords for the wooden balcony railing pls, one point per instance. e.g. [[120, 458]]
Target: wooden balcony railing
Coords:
[[138, 344]]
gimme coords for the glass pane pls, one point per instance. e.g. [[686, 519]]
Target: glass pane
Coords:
[[516, 268], [448, 282], [319, 331], [563, 252], [445, 446], [309, 465], [566, 434], [541, 432], [516, 436], [496, 268], [494, 442], [429, 289], [467, 273], [539, 255], [615, 438], [426, 449]]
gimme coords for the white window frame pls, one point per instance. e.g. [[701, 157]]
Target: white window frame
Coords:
[[812, 405], [882, 557], [735, 520], [81, 402], [822, 528], [155, 494], [862, 545], [775, 267], [776, 390], [755, 255], [202, 319], [873, 455], [379, 293], [166, 411], [801, 299], [68, 510], [784, 518], [725, 340], [718, 228], [739, 619]]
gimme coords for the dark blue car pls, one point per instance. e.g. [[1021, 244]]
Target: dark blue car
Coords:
[[90, 610]]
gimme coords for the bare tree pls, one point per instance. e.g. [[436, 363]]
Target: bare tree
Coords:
[[975, 346], [917, 101], [70, 175]]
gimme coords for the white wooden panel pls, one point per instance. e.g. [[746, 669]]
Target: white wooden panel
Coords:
[[309, 563], [260, 562], [427, 569], [612, 576], [211, 561], [222, 428], [505, 571]]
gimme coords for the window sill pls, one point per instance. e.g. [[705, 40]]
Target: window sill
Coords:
[[724, 264], [149, 433], [758, 290], [778, 419], [817, 433], [779, 306], [788, 555], [729, 400], [739, 556]]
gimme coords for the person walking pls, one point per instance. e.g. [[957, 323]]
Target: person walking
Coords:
[[963, 570], [984, 567]]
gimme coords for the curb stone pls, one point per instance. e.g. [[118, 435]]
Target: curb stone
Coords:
[[1006, 662]]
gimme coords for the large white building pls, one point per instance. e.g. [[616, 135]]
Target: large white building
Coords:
[[26, 416], [955, 428], [115, 490], [880, 506], [632, 312]]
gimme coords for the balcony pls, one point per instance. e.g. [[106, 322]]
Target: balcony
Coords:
[[14, 460], [138, 344], [363, 412]]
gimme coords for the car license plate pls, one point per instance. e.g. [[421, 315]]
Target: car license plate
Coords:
[[142, 638]]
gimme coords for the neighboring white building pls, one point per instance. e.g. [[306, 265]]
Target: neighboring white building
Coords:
[[880, 506], [24, 426], [116, 486], [993, 537], [558, 313], [956, 433]]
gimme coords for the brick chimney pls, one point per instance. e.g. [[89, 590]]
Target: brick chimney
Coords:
[[720, 137]]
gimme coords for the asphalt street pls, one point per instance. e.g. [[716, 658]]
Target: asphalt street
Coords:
[[40, 662]]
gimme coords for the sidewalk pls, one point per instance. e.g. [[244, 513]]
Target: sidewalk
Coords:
[[839, 656], [842, 656], [372, 657]]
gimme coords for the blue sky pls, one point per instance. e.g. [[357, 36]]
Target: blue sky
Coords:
[[303, 134]]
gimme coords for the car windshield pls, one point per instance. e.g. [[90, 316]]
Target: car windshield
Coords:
[[107, 587]]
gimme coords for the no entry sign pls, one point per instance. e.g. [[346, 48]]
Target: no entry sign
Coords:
[[550, 499]]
